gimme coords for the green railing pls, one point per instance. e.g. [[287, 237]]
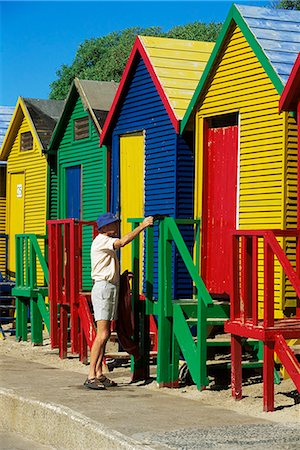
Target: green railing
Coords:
[[28, 256], [173, 330], [32, 278]]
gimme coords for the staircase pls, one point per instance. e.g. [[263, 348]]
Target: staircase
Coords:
[[192, 329]]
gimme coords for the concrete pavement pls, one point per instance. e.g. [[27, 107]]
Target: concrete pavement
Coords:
[[51, 406]]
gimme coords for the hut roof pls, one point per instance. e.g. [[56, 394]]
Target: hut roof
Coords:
[[5, 115], [41, 115], [273, 35], [175, 66], [96, 97], [291, 93], [44, 115]]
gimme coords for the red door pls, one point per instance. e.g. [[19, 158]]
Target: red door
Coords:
[[219, 206]]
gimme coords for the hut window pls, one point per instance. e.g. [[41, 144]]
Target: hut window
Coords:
[[81, 128], [26, 141]]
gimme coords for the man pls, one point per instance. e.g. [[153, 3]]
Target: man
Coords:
[[106, 276]]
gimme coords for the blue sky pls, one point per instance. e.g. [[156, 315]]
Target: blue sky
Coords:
[[37, 37]]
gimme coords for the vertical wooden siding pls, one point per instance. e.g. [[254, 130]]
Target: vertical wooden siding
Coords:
[[239, 83], [143, 110], [93, 161], [33, 163]]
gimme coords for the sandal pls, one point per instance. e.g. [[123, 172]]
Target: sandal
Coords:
[[106, 381], [94, 383]]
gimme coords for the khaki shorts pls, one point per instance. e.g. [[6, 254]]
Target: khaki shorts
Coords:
[[105, 296]]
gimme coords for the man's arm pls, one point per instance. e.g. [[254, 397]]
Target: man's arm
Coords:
[[147, 222]]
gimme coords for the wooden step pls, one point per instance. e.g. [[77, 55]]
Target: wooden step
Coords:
[[224, 363], [209, 321], [123, 355]]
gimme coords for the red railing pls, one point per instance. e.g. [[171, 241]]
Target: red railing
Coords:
[[245, 273], [65, 281]]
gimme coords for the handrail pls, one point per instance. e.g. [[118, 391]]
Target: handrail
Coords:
[[27, 252], [283, 260], [186, 257], [244, 304], [171, 229]]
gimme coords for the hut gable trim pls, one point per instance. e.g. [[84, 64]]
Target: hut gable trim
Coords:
[[234, 17], [20, 110], [137, 50], [291, 93], [96, 97]]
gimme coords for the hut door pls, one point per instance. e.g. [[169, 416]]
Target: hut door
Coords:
[[219, 201], [15, 219], [73, 194], [131, 188]]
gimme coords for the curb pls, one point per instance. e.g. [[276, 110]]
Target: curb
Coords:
[[59, 426]]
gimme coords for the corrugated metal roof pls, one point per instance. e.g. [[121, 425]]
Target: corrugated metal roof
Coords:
[[97, 96], [179, 65], [278, 33], [44, 115], [100, 94], [6, 113]]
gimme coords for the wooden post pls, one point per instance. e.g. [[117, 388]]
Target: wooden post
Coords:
[[254, 269], [54, 267], [236, 366], [268, 376], [164, 324], [268, 285]]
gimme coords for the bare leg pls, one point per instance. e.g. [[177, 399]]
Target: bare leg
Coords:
[[98, 348]]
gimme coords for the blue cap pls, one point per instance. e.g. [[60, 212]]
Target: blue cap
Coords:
[[106, 219]]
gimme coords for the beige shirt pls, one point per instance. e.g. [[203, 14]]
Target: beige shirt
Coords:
[[104, 261]]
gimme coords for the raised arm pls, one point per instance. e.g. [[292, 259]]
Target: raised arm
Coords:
[[147, 222]]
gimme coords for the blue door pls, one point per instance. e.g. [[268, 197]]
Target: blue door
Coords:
[[73, 192]]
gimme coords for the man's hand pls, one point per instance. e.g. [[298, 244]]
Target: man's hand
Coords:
[[147, 222]]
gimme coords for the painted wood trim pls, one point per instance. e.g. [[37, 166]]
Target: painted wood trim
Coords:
[[6, 147], [63, 117], [234, 16], [138, 49], [291, 94], [62, 206]]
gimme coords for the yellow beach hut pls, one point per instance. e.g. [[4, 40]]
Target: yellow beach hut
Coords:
[[23, 149], [246, 151]]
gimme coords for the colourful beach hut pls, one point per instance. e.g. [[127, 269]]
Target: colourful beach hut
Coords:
[[246, 152], [79, 168], [152, 164], [23, 149]]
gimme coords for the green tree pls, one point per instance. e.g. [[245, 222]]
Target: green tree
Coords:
[[104, 58], [287, 4]]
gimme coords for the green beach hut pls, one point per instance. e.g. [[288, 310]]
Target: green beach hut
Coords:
[[79, 166]]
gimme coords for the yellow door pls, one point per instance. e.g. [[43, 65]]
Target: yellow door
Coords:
[[131, 190], [15, 219]]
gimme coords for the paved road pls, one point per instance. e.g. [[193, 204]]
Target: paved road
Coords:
[[14, 441], [126, 417]]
